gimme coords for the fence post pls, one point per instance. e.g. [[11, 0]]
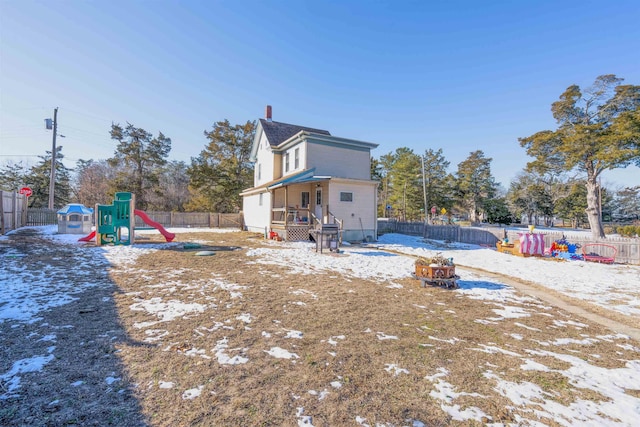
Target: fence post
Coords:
[[171, 219], [2, 226], [25, 206], [14, 203]]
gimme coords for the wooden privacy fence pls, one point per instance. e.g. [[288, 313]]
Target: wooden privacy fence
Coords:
[[628, 249], [13, 211], [14, 216], [195, 219], [453, 233], [42, 217]]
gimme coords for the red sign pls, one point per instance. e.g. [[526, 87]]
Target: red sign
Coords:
[[433, 210], [26, 191]]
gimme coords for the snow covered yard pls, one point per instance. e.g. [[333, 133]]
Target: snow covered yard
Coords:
[[275, 333]]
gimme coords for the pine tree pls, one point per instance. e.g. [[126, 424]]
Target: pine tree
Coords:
[[597, 130], [438, 182], [13, 176], [139, 157], [403, 182], [222, 170], [39, 177], [474, 183]]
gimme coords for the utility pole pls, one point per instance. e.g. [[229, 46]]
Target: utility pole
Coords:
[[424, 191], [52, 177]]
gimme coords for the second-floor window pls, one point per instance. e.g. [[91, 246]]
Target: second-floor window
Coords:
[[296, 158], [286, 162]]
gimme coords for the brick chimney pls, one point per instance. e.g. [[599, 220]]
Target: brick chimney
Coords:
[[268, 113]]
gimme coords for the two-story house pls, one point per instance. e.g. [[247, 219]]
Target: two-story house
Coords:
[[306, 177]]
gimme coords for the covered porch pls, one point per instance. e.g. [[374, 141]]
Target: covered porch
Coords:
[[299, 206]]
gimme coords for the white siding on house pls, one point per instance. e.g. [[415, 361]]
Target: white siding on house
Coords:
[[264, 158], [292, 159], [256, 216], [337, 161], [363, 207]]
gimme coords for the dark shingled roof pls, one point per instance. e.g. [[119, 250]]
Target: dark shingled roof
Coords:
[[279, 132]]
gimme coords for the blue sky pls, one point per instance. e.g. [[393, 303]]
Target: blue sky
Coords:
[[456, 75]]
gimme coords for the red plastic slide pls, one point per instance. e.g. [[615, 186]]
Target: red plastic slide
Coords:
[[145, 218], [88, 238]]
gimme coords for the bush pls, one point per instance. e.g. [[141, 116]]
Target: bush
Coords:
[[629, 230]]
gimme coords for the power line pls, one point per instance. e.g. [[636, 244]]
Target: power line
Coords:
[[88, 115], [20, 155]]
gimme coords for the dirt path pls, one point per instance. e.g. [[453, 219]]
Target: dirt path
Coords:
[[607, 318], [615, 322]]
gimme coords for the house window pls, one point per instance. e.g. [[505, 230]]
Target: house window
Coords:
[[260, 199], [346, 196], [286, 162], [305, 199], [296, 158], [259, 171]]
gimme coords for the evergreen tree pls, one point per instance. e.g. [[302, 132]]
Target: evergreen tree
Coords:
[[474, 183], [384, 165], [573, 206], [139, 158], [39, 177], [497, 211], [222, 170], [438, 183], [378, 173], [597, 130], [628, 204], [519, 198], [13, 176], [404, 184]]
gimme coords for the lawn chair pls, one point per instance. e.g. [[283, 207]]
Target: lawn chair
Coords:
[[599, 252]]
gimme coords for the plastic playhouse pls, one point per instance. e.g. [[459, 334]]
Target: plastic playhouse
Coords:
[[74, 218], [115, 223]]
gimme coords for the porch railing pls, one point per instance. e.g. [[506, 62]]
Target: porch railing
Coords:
[[340, 226], [287, 216]]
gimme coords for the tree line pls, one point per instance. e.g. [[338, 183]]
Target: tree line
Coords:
[[598, 129], [212, 181]]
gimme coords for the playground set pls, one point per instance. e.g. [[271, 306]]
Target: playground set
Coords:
[[112, 220], [532, 244]]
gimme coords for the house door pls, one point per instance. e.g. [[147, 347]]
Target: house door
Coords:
[[318, 209]]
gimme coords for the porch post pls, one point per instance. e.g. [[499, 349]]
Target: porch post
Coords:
[[286, 205], [272, 196]]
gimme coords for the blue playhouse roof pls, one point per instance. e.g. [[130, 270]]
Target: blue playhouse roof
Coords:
[[75, 208]]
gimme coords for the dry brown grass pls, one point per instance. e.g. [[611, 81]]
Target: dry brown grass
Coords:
[[342, 320]]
